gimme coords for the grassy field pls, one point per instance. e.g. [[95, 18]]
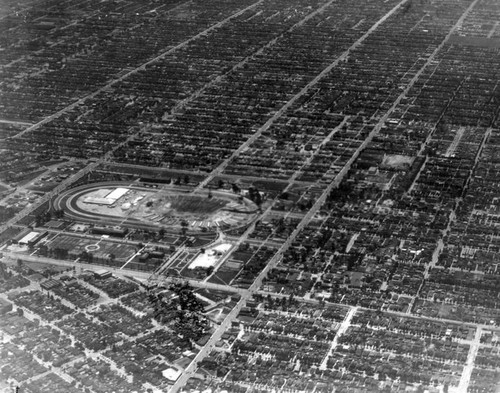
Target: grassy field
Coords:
[[194, 204]]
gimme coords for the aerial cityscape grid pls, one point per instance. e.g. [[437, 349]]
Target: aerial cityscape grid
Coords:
[[249, 196]]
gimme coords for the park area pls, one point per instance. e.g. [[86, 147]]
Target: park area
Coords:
[[91, 250]]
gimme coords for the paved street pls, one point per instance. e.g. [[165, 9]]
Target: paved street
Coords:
[[361, 130]]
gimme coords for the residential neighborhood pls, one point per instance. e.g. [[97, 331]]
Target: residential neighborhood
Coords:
[[249, 196]]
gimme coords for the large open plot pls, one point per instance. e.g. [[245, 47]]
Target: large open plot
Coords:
[[171, 207], [100, 249], [180, 262]]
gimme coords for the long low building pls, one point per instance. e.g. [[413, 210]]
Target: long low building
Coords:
[[30, 238], [111, 231], [105, 197]]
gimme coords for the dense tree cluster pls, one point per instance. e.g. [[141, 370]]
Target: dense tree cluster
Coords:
[[180, 305]]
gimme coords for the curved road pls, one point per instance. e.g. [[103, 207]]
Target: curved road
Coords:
[[67, 202]]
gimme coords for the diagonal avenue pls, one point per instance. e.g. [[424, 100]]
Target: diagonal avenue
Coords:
[[189, 371], [139, 68], [217, 171], [246, 295], [178, 107]]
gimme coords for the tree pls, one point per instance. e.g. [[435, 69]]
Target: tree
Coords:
[[38, 220], [254, 196], [270, 301], [258, 199], [209, 270], [59, 213], [47, 216], [189, 322], [31, 247], [187, 299], [184, 225], [43, 250], [284, 195], [60, 253]]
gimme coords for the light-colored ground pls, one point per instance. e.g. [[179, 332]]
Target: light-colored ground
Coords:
[[397, 161], [124, 206], [211, 256]]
